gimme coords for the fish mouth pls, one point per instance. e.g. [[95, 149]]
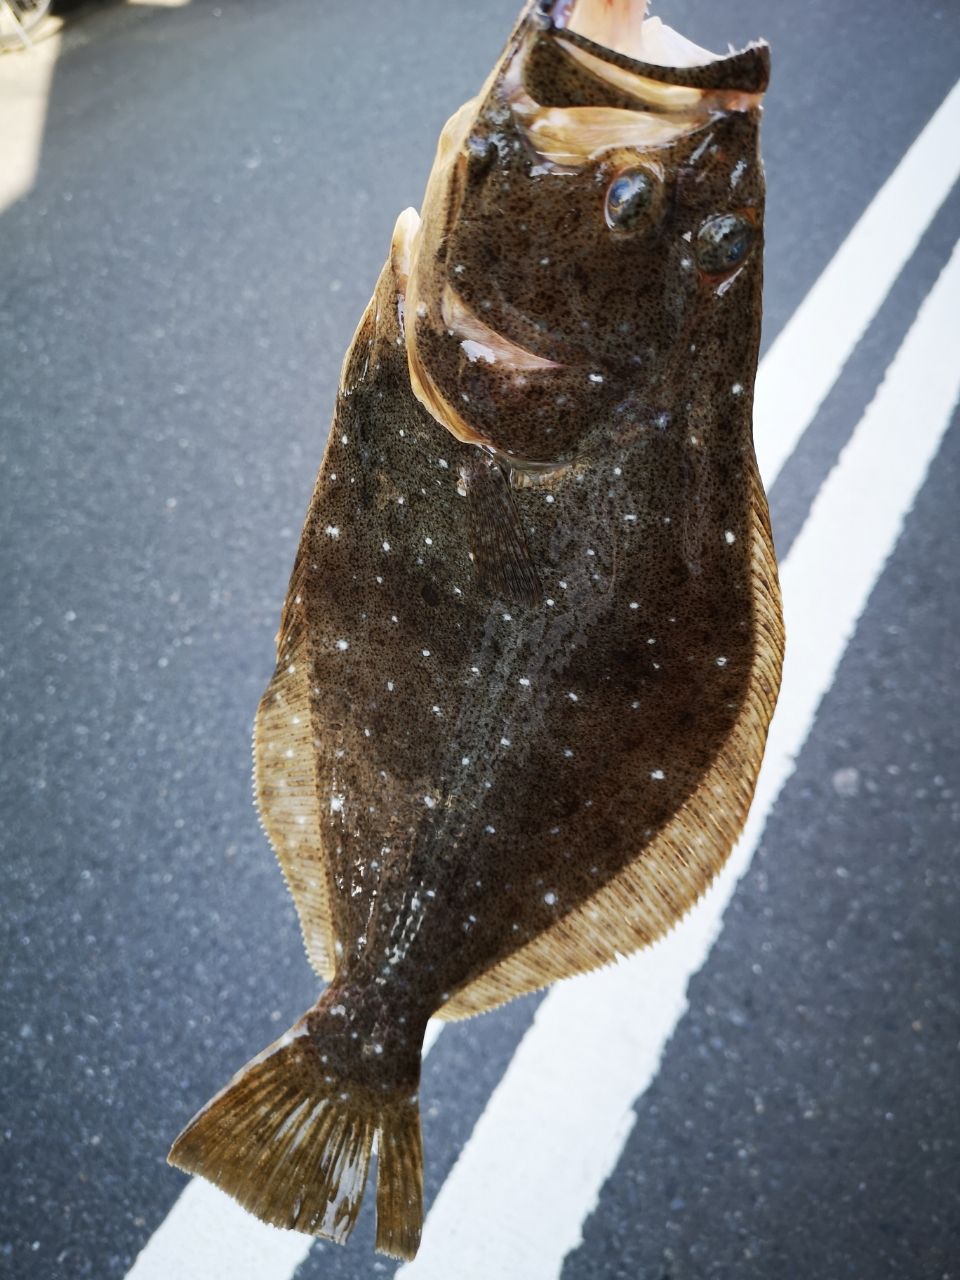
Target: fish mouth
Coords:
[[616, 40], [659, 85], [622, 26]]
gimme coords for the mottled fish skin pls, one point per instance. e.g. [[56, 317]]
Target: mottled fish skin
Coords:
[[533, 639]]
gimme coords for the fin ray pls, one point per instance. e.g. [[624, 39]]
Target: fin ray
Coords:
[[285, 786], [292, 1144], [500, 552]]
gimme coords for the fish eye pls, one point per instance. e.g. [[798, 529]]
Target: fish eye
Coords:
[[630, 197], [723, 242]]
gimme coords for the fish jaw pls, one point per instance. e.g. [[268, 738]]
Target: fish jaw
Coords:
[[530, 318]]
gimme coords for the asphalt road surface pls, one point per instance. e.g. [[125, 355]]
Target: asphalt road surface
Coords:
[[214, 199]]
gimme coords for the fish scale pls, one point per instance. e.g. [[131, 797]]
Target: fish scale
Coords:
[[532, 640]]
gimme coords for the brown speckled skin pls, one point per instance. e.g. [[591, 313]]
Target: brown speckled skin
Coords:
[[492, 764]]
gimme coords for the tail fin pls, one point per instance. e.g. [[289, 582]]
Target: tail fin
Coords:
[[292, 1144]]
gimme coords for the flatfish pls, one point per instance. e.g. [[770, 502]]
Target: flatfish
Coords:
[[533, 639]]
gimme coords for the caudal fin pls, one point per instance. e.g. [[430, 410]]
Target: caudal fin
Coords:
[[292, 1144]]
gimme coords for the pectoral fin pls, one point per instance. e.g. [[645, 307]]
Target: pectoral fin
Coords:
[[501, 555]]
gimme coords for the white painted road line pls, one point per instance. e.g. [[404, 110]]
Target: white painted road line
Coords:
[[800, 367], [188, 1243], [566, 1100], [25, 80]]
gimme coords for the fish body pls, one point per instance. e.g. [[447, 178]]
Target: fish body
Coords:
[[532, 640]]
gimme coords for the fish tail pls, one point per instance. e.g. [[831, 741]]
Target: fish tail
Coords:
[[291, 1135]]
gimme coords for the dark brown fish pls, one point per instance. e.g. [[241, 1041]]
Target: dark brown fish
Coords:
[[533, 640]]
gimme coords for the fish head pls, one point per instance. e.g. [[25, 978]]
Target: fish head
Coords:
[[591, 217]]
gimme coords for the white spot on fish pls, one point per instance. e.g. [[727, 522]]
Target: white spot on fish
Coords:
[[737, 389], [465, 760], [544, 262], [428, 541], [425, 652], [505, 742], [596, 377], [459, 269], [490, 830], [508, 617], [332, 531], [567, 752], [721, 662], [343, 644], [630, 519], [657, 774], [336, 804], [634, 604], [550, 602], [390, 686], [525, 682], [572, 696], [429, 802], [442, 462], [385, 545], [550, 899], [550, 497], [343, 439], [618, 471], [436, 711]]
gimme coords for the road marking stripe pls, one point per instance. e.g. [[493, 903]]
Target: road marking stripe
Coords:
[[566, 1099], [801, 366], [24, 98], [189, 1243]]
